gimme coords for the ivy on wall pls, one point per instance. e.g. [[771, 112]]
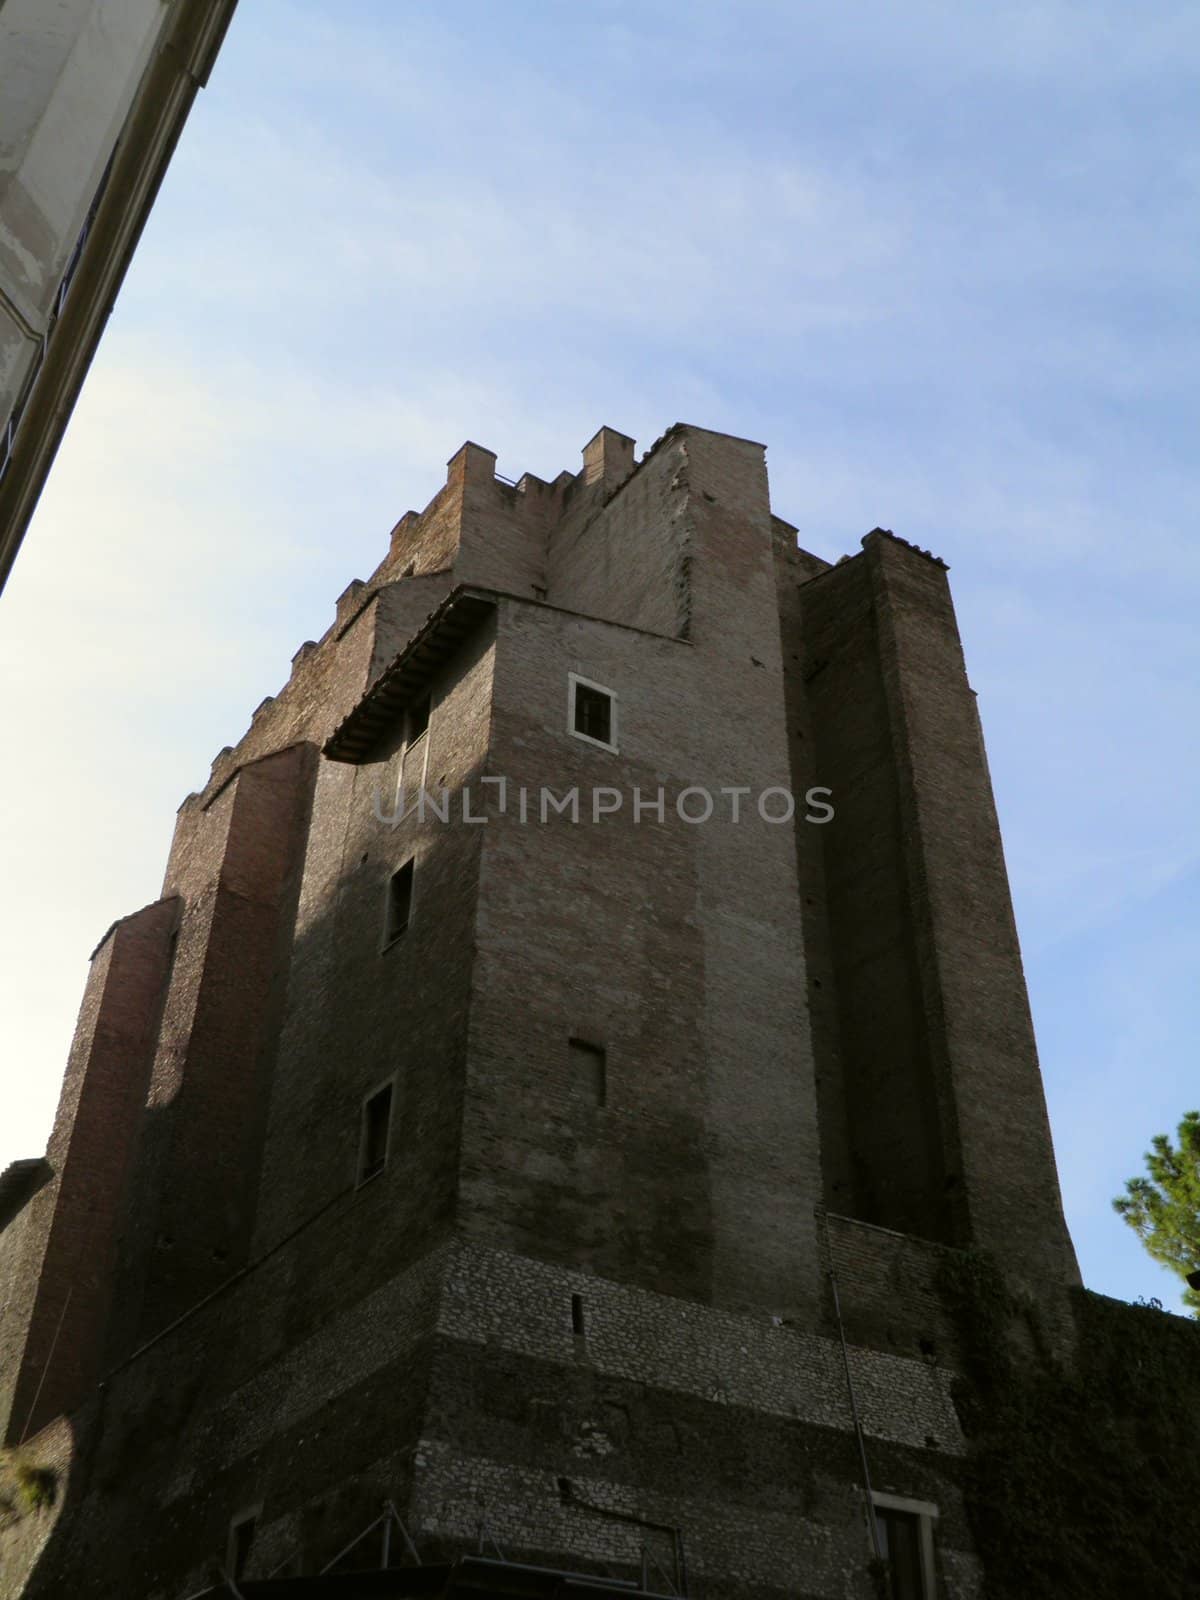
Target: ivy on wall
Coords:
[[1084, 1476]]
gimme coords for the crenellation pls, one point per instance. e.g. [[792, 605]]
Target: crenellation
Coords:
[[886, 533], [401, 538], [471, 466], [608, 459], [348, 600]]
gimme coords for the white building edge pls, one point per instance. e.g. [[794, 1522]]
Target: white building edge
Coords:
[[93, 96]]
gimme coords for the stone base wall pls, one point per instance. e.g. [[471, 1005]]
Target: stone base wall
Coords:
[[462, 1391]]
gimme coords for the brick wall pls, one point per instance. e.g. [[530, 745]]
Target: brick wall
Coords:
[[931, 1095], [897, 1165], [675, 947], [62, 1283], [972, 983], [201, 1145], [625, 558]]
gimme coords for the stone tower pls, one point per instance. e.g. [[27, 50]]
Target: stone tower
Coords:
[[565, 1158]]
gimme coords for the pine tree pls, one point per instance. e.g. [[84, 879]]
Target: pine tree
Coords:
[[1164, 1208]]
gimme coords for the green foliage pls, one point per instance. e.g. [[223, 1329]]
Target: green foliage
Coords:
[[24, 1487], [1164, 1209], [1083, 1480], [35, 1485]]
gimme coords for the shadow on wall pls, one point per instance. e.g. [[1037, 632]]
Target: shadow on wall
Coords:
[[196, 1413]]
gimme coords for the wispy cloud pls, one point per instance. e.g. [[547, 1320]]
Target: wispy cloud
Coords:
[[940, 259]]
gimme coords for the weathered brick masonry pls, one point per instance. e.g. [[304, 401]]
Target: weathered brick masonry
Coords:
[[592, 1313]]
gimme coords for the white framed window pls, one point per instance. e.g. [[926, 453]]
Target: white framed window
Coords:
[[905, 1529], [591, 712]]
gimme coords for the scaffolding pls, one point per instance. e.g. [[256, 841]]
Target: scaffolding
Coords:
[[480, 1574]]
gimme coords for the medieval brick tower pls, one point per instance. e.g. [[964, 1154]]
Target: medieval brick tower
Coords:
[[568, 1162]]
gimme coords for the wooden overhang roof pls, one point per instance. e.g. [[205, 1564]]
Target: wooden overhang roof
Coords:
[[459, 614]]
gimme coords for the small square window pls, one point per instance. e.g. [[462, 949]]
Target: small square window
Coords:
[[592, 712], [399, 903], [376, 1133]]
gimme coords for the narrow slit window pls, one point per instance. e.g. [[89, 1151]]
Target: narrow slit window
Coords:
[[577, 1327], [241, 1541], [592, 712], [376, 1133], [399, 903], [589, 1071]]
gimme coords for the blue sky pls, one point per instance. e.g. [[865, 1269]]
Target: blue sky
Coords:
[[942, 259]]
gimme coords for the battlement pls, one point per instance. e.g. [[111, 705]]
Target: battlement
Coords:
[[481, 528], [485, 529], [886, 533]]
